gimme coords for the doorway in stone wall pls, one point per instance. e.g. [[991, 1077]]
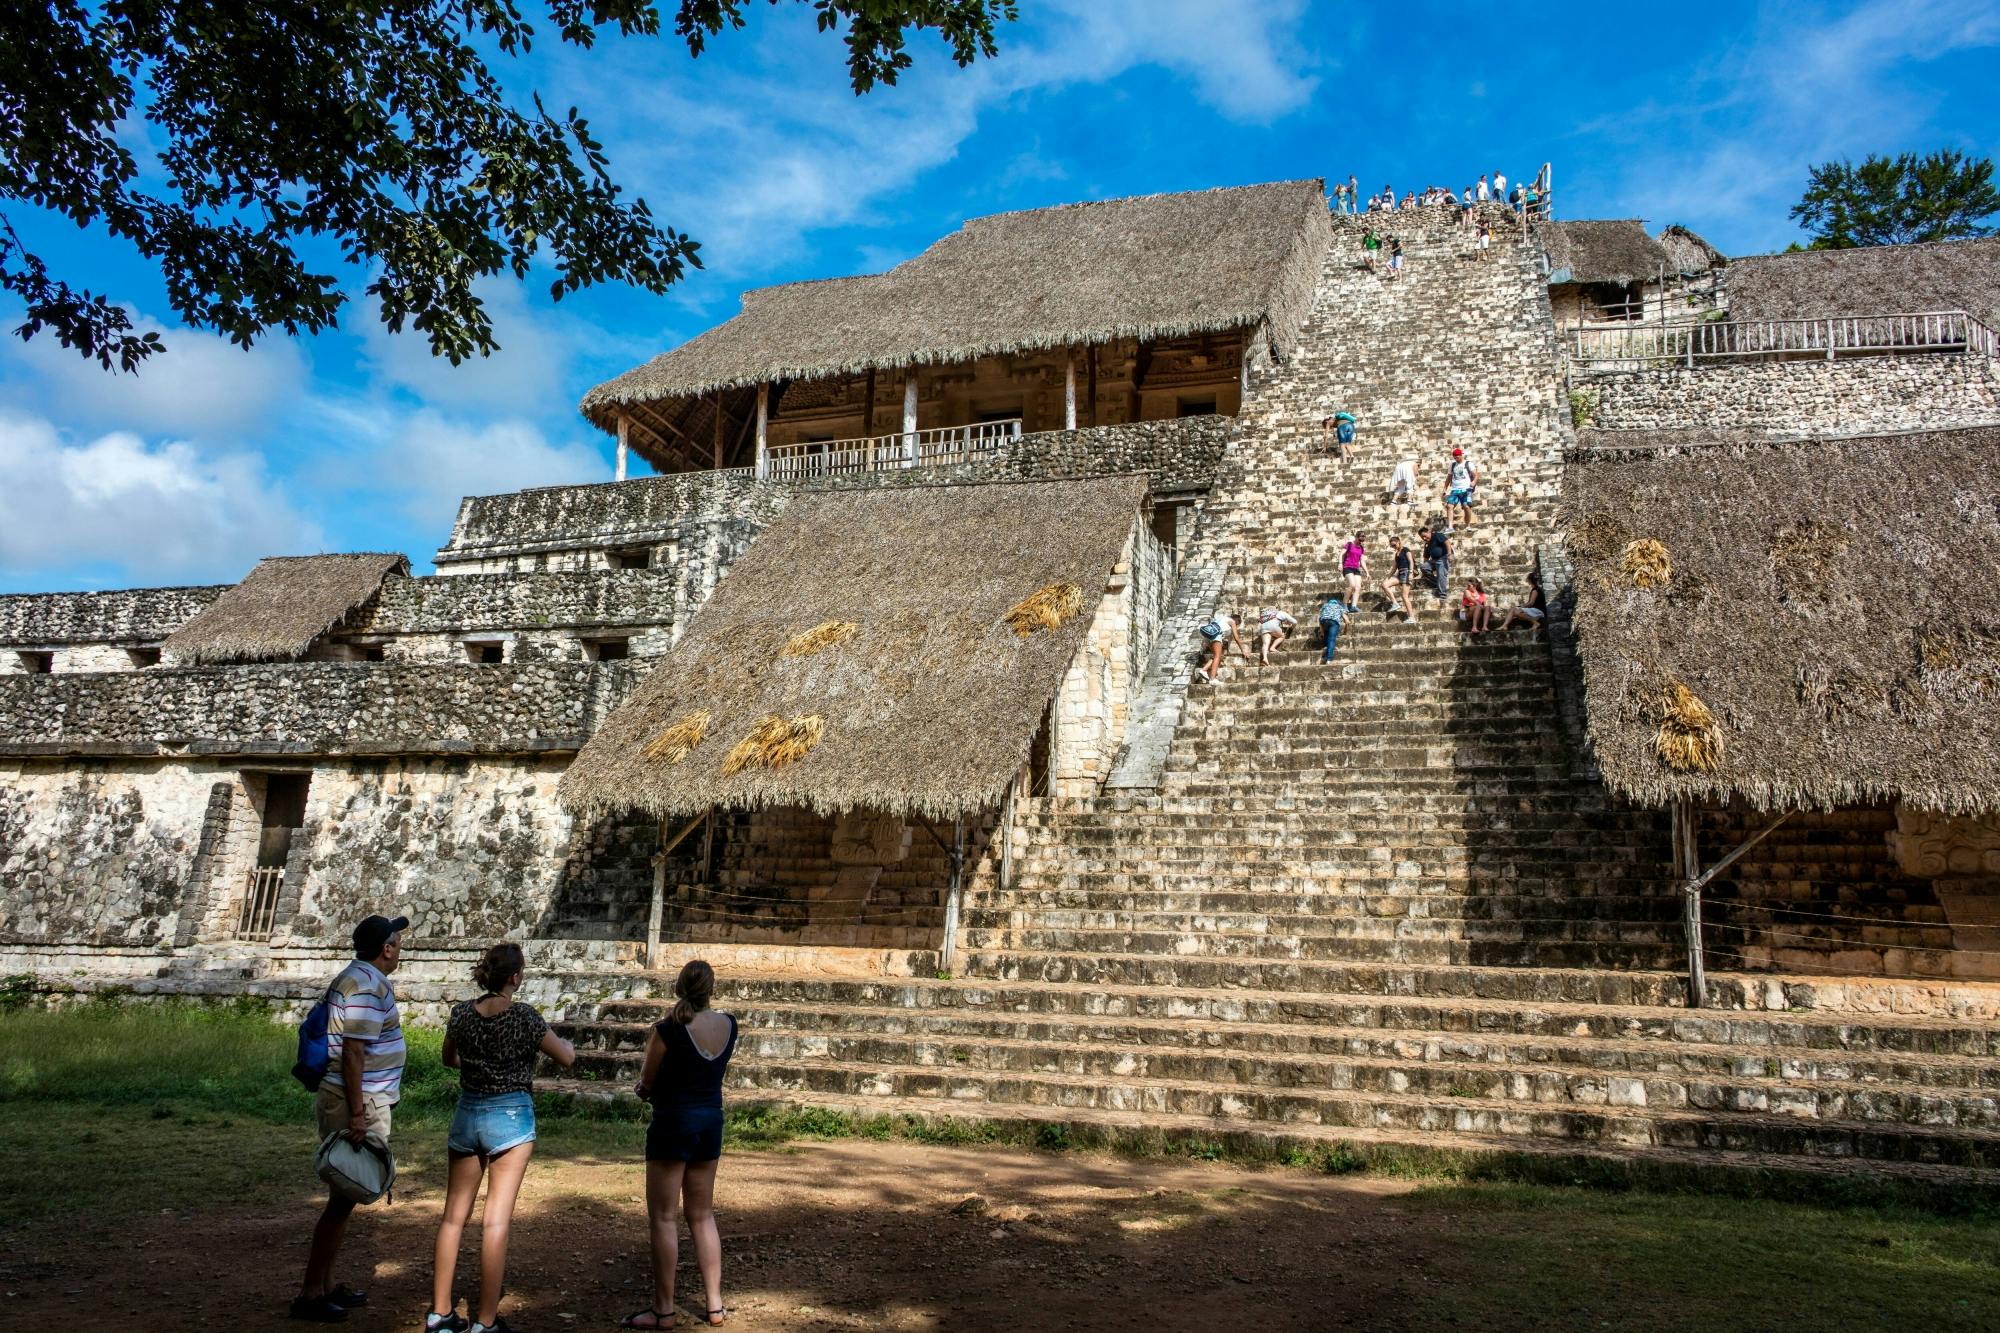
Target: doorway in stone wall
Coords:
[[280, 799]]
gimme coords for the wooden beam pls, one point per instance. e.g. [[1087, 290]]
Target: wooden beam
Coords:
[[763, 430], [1069, 388], [1092, 395], [718, 430], [910, 413], [868, 411], [662, 446]]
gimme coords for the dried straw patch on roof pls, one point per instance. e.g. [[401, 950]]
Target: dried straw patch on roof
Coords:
[[285, 604], [930, 708], [1688, 254], [1601, 251], [1871, 280], [1159, 266], [1826, 614]]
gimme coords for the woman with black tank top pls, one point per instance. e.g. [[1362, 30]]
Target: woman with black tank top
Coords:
[[686, 1057]]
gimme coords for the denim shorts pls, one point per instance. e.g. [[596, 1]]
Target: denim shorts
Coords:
[[491, 1124]]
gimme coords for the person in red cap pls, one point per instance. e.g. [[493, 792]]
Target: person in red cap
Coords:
[[1459, 482]]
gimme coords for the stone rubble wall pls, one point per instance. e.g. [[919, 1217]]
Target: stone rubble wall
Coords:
[[123, 616], [312, 708], [577, 527], [1862, 395]]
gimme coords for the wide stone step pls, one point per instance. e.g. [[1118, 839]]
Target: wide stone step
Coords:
[[1652, 1074], [1719, 1130], [1293, 913]]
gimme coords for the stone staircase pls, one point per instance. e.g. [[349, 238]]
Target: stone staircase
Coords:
[[1373, 902]]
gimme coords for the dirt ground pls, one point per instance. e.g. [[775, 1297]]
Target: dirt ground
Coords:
[[847, 1234]]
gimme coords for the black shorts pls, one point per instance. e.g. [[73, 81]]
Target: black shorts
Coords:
[[684, 1134]]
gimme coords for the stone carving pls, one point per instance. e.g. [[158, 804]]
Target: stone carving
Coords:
[[1935, 846]]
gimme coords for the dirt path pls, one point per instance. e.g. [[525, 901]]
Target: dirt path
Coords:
[[824, 1236]]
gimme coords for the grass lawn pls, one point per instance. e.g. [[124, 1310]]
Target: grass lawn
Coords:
[[183, 1114]]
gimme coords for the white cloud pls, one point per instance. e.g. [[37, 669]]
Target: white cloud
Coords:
[[152, 512], [423, 461], [527, 373], [749, 163], [200, 386]]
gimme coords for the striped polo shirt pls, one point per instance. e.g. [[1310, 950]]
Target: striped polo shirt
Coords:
[[361, 1007]]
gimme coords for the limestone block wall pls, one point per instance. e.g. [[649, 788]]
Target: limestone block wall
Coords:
[[1093, 703], [576, 527], [466, 848], [538, 617], [1856, 396], [312, 708], [102, 853], [125, 616]]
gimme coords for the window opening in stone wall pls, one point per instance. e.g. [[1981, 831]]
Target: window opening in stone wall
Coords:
[[143, 657], [987, 415], [485, 653], [638, 558], [284, 812], [37, 664], [1041, 754], [1195, 407], [373, 652], [607, 650]]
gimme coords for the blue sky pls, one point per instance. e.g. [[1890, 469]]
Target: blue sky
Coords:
[[210, 457]]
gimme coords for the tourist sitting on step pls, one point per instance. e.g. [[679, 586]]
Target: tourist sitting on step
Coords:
[[1221, 630], [1354, 570], [1437, 560], [1533, 612], [1403, 481], [1397, 585], [1475, 608], [1332, 615], [1273, 628], [1461, 479]]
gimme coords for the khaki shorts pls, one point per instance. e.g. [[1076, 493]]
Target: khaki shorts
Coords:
[[330, 1104]]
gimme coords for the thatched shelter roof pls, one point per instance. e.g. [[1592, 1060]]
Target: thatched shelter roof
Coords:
[[1688, 254], [928, 700], [1601, 251], [1870, 280], [285, 604], [1827, 602], [1158, 266]]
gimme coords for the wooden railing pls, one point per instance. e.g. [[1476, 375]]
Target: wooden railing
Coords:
[[1729, 340], [934, 447], [260, 903]]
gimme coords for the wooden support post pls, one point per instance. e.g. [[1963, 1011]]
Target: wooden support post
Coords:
[[953, 896], [1007, 833], [868, 408], [1090, 395], [659, 901], [910, 416], [624, 436], [763, 431], [1687, 867], [1069, 389], [718, 429]]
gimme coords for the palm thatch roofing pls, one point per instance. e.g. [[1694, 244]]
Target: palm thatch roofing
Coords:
[[282, 608], [1601, 251], [1871, 280], [1688, 254], [930, 708], [1157, 266], [1828, 602]]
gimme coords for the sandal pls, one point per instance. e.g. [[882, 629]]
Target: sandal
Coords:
[[666, 1320], [719, 1316], [346, 1296]]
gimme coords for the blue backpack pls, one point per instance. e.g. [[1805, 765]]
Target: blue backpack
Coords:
[[312, 1062]]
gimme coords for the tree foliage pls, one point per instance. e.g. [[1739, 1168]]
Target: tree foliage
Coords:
[[289, 135], [1900, 200]]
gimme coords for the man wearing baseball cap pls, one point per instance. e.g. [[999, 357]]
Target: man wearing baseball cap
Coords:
[[364, 1078]]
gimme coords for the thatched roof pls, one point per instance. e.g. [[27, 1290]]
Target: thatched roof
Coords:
[[1688, 254], [283, 607], [1828, 603], [929, 706], [1603, 251], [1159, 266], [1871, 280]]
